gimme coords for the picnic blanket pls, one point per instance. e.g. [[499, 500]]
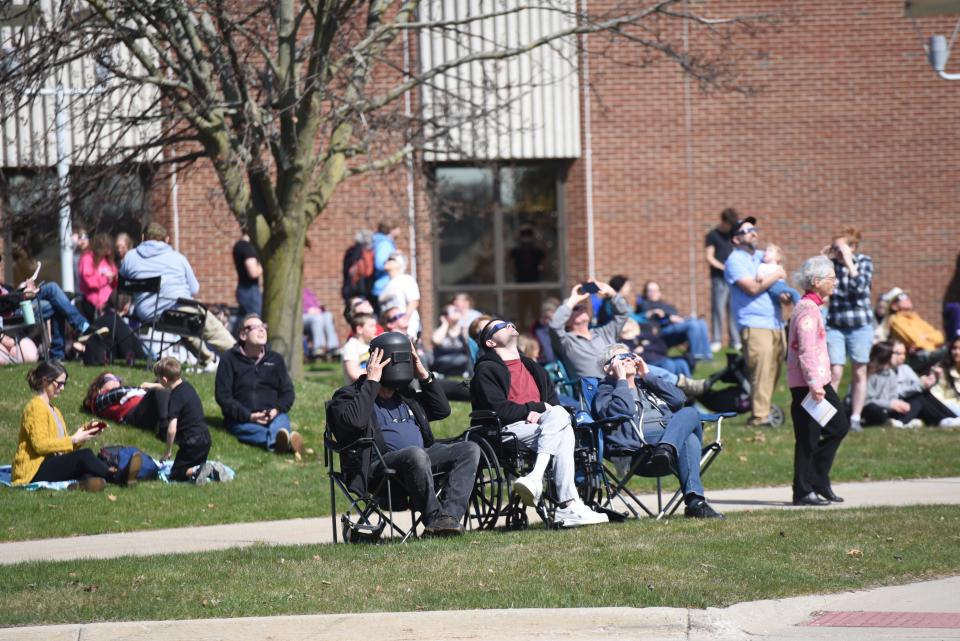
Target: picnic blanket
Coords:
[[6, 475]]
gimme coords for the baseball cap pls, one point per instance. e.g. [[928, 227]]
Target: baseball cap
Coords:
[[740, 223]]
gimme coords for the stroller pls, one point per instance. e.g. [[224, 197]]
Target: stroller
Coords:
[[735, 397]]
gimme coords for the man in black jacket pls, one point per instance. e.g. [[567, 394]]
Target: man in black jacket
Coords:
[[255, 392], [399, 420], [518, 390]]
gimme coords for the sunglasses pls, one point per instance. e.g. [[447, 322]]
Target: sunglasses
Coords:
[[490, 330], [59, 384], [748, 230], [626, 356], [396, 317], [253, 328]]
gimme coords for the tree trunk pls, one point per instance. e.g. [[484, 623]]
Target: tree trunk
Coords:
[[282, 257]]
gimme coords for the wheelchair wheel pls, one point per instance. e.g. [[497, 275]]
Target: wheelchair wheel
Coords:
[[776, 416], [516, 516], [486, 500]]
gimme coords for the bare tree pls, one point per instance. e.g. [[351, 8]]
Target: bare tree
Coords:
[[287, 99]]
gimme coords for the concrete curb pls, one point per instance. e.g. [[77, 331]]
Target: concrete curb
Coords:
[[755, 621]]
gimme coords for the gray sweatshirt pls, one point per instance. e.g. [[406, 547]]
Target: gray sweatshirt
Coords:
[[892, 384], [578, 353]]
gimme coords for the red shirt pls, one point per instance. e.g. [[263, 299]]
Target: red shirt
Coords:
[[523, 389]]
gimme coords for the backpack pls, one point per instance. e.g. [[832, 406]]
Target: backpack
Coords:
[[119, 456], [357, 271]]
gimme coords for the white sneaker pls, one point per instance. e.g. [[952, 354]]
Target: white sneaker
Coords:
[[953, 421], [716, 347], [576, 514], [893, 422], [915, 423], [528, 488]]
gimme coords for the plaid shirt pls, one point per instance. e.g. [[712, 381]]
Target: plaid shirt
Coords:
[[850, 305]]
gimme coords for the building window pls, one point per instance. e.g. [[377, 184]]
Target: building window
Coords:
[[102, 200], [499, 229]]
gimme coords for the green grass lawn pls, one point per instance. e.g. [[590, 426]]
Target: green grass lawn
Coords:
[[273, 487], [642, 563]]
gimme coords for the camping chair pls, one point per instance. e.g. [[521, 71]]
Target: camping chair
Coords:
[[370, 511], [186, 318], [132, 287], [9, 307], [562, 383], [612, 484]]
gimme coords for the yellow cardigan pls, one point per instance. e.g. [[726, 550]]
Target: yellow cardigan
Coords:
[[39, 437]]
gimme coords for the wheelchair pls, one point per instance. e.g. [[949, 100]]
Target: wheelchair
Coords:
[[615, 466], [373, 503], [735, 397], [509, 460]]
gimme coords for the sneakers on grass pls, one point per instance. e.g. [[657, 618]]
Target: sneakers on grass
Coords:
[[576, 514]]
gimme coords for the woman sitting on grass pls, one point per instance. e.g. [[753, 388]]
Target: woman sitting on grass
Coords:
[[896, 396], [46, 453], [144, 406]]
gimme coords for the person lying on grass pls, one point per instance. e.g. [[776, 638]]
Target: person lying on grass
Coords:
[[144, 406]]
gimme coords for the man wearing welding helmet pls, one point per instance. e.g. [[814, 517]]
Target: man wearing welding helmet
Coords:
[[382, 404]]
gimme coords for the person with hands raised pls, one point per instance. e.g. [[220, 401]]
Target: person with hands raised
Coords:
[[44, 450], [383, 405], [660, 418]]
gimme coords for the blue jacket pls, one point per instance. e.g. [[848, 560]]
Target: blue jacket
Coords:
[[156, 258], [614, 400]]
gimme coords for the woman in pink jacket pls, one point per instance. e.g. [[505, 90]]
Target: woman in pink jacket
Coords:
[[808, 372], [98, 275]]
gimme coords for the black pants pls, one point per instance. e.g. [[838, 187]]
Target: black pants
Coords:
[[122, 344], [193, 451], [415, 467], [151, 413], [78, 464], [924, 406], [816, 446]]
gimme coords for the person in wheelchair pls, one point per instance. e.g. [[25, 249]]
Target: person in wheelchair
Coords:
[[518, 390], [399, 420], [675, 430]]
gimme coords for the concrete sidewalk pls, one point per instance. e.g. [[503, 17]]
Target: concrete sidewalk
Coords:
[[318, 530], [781, 619]]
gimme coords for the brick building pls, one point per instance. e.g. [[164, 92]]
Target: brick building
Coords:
[[847, 126]]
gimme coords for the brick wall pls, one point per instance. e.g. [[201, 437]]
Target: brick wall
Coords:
[[848, 126]]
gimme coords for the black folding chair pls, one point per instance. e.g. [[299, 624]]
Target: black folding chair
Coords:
[[134, 287], [613, 483], [10, 309], [186, 318]]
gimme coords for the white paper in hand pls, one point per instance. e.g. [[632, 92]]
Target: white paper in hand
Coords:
[[36, 272], [821, 412]]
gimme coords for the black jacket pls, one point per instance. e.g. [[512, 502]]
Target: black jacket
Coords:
[[245, 386], [352, 416], [491, 385]]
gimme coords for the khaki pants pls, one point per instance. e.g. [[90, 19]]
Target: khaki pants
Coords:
[[764, 350], [214, 333]]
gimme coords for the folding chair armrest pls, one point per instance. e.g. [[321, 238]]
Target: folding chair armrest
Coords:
[[337, 447], [483, 414], [716, 416]]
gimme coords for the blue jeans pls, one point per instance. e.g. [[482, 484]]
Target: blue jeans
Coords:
[[665, 374], [685, 433], [57, 308], [323, 333], [692, 331], [721, 306], [250, 301], [675, 366], [260, 435]]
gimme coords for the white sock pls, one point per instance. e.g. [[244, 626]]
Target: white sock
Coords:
[[540, 465], [854, 418]]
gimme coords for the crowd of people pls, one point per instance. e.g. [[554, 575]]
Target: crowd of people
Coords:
[[904, 372]]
